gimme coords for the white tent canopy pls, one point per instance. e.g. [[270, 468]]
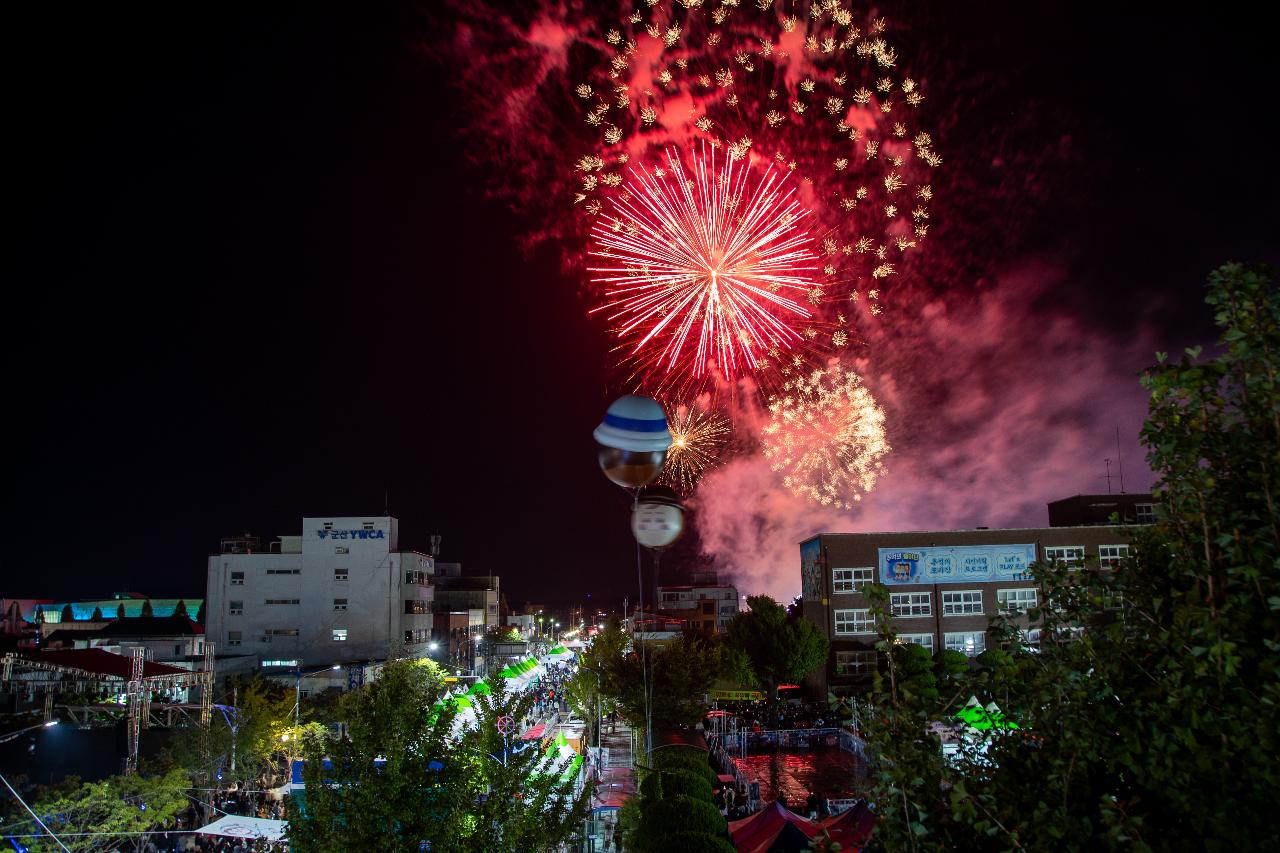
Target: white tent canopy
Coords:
[[235, 826]]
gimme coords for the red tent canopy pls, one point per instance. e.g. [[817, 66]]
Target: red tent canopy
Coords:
[[103, 662], [788, 686], [535, 732], [774, 823], [852, 828]]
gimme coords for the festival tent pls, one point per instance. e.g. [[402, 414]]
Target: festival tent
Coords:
[[984, 719], [235, 826], [773, 829], [852, 828]]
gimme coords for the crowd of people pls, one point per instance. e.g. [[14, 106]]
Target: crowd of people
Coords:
[[548, 690], [753, 715]]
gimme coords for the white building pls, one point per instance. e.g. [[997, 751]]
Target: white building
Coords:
[[706, 605], [342, 592]]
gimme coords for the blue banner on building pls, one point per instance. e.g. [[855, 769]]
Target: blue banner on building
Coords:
[[811, 569], [957, 564]]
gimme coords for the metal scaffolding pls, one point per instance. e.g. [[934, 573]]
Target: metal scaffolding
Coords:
[[38, 676]]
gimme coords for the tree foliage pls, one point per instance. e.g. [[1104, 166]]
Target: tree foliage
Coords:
[[117, 810], [780, 648], [248, 725], [1148, 713], [409, 772]]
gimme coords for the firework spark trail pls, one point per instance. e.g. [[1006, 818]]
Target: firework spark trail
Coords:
[[825, 435], [715, 251], [696, 438]]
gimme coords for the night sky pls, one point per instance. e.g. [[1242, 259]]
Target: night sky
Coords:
[[258, 275]]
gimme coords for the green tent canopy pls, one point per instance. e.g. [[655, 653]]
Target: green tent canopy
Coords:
[[572, 769], [558, 650], [977, 717], [462, 702], [508, 672], [479, 688]]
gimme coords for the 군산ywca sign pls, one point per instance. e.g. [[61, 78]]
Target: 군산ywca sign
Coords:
[[352, 534], [956, 564]]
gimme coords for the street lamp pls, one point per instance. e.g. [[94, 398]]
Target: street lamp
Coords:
[[20, 732]]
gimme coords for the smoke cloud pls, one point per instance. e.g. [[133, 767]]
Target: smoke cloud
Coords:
[[994, 405]]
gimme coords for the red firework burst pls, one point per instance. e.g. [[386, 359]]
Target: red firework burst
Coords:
[[706, 268]]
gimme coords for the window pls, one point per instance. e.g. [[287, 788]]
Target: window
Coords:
[[282, 632], [855, 663], [177, 650], [284, 571], [708, 607], [237, 578], [911, 603], [854, 622], [280, 601], [1109, 555], [1145, 513], [339, 635], [966, 603], [235, 608], [925, 640], [342, 549], [340, 605], [1016, 600], [1072, 555], [368, 525], [418, 577], [851, 580], [413, 607], [968, 642], [233, 638], [340, 574]]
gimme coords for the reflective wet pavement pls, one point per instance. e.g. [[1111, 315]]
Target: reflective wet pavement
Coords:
[[794, 773]]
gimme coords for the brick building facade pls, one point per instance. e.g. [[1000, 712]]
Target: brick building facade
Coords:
[[945, 587]]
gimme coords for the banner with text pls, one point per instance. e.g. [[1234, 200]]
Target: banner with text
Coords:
[[956, 564]]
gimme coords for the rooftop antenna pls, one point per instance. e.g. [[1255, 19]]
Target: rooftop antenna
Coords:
[[435, 545], [1119, 461], [1107, 476], [386, 502]]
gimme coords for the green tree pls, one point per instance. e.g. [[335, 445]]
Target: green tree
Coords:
[[679, 674], [251, 725], [146, 608], [118, 811], [67, 614], [781, 648], [358, 804], [180, 609], [466, 787], [513, 796], [1155, 683], [97, 614]]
